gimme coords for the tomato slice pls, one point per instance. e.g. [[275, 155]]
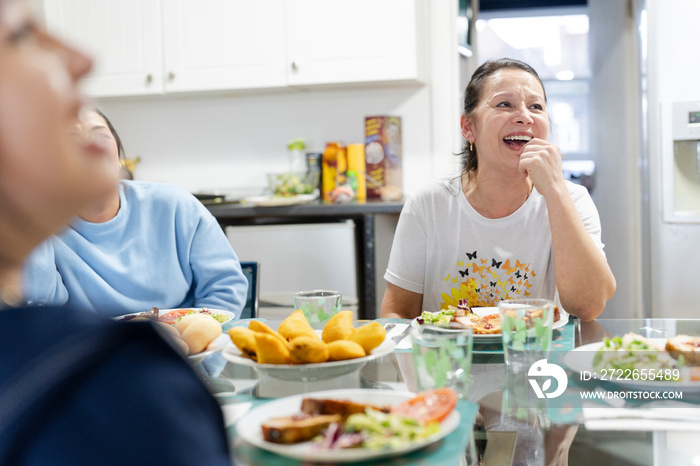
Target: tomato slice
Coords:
[[431, 406], [695, 374], [172, 316]]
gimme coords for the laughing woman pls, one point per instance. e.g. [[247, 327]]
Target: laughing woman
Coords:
[[141, 245], [509, 226], [75, 387]]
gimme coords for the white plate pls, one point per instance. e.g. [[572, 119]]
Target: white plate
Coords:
[[249, 426], [218, 344], [276, 201], [215, 346], [229, 315], [308, 372], [581, 359], [496, 337]]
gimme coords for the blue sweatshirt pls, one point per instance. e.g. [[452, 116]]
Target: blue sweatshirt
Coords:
[[162, 249]]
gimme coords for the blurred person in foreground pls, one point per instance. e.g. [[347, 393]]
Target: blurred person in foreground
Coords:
[[509, 225], [75, 387], [141, 245]]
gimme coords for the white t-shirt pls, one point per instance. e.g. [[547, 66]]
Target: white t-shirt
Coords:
[[448, 252]]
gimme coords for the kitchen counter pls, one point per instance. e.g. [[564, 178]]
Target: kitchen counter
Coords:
[[361, 214]]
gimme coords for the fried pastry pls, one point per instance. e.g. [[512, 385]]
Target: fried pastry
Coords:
[[340, 350], [368, 336], [338, 327], [270, 350], [296, 325], [257, 326], [307, 350], [244, 339]]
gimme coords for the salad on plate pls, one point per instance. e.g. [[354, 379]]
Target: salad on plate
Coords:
[[408, 422], [351, 425], [484, 321], [634, 354]]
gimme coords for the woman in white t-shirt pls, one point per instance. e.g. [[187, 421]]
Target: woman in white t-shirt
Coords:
[[508, 226]]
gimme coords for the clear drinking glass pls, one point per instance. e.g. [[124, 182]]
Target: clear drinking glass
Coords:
[[318, 305], [526, 329], [442, 358]]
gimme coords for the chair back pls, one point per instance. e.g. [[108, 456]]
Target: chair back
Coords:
[[251, 270]]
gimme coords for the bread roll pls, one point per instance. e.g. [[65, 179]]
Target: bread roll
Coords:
[[173, 336], [184, 321], [167, 329], [180, 346], [199, 331], [687, 346], [295, 429]]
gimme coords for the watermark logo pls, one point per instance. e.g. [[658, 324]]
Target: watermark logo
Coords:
[[542, 368]]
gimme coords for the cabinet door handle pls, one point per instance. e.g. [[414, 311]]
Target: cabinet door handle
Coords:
[[295, 66], [149, 78], [171, 75]]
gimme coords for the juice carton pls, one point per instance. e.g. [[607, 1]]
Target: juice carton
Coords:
[[356, 166], [333, 168], [383, 157]]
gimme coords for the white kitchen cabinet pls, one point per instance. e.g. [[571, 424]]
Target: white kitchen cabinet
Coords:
[[223, 44], [147, 47], [123, 36], [340, 41]]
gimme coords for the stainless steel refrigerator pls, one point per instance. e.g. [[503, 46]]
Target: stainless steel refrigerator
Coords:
[[645, 95], [670, 75]]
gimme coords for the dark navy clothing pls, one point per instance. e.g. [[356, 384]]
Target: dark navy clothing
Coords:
[[77, 388]]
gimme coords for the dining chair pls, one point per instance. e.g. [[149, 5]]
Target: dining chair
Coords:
[[251, 270]]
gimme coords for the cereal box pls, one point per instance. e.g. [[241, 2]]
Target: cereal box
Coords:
[[383, 157]]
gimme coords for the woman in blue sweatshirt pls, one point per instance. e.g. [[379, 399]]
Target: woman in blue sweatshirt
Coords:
[[76, 387], [142, 245]]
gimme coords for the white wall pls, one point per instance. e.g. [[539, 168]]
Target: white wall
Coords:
[[216, 142]]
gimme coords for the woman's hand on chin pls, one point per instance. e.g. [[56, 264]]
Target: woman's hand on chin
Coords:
[[541, 162]]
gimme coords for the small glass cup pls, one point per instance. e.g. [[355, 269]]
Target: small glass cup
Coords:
[[442, 358], [526, 329], [318, 305]]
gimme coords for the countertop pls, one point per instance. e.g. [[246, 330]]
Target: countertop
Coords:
[[312, 209]]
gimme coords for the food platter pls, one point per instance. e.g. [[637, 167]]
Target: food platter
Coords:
[[308, 372], [249, 426], [496, 337], [278, 201], [581, 360], [161, 312]]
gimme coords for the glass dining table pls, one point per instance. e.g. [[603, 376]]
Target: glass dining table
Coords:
[[594, 421]]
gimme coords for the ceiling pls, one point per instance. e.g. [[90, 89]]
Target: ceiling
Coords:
[[493, 5]]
